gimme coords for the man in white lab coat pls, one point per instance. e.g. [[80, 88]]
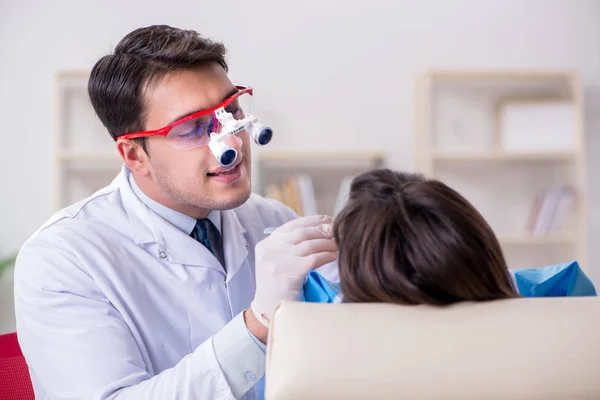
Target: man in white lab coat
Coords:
[[161, 285]]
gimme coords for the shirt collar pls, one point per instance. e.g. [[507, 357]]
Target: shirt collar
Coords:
[[180, 220]]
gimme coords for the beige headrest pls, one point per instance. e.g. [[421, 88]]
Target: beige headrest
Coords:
[[526, 348]]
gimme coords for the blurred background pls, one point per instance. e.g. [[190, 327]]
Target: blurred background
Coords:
[[497, 98]]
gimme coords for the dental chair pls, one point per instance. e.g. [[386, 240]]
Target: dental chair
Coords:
[[524, 348]]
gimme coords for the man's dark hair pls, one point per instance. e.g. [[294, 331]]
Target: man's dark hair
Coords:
[[406, 239], [117, 81]]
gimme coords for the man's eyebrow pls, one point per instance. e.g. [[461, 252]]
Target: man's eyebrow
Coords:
[[228, 95]]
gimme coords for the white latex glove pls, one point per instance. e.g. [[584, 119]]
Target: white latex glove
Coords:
[[284, 259]]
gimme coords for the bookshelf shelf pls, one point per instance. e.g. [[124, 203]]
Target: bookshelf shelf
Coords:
[[512, 143]]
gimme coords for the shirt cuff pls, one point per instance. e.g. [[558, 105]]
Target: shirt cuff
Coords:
[[260, 344], [241, 356]]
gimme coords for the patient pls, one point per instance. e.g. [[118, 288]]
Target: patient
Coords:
[[410, 240]]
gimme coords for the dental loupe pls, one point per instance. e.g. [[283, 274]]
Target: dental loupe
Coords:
[[225, 154]]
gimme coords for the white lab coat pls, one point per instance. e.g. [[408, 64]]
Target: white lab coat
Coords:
[[108, 295]]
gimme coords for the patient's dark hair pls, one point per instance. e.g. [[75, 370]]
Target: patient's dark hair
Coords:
[[410, 240]]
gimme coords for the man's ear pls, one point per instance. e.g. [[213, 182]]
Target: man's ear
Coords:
[[134, 156]]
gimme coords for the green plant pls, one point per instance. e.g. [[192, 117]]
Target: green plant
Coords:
[[7, 263]]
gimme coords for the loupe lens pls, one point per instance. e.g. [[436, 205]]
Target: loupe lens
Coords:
[[264, 136], [228, 157]]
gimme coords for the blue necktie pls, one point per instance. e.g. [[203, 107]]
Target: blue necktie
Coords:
[[203, 231]]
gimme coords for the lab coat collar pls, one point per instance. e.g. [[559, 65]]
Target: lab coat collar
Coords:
[[137, 212], [148, 227]]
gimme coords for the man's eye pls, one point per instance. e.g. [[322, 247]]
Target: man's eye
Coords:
[[187, 135], [195, 132]]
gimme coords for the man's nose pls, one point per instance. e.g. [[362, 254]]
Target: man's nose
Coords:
[[233, 141]]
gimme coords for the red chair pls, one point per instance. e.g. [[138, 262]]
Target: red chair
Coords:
[[15, 383]]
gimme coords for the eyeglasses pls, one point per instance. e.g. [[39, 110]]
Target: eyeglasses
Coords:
[[195, 129]]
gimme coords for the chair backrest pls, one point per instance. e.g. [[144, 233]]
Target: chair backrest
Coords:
[[14, 374], [526, 348]]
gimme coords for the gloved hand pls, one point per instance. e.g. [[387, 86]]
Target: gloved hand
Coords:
[[285, 258]]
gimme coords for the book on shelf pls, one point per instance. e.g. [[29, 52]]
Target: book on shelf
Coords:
[[551, 211], [298, 193]]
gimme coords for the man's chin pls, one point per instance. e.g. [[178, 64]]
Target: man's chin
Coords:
[[233, 200]]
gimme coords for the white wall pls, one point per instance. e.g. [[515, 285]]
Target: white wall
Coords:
[[322, 70]]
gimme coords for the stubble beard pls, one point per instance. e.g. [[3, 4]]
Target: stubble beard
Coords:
[[167, 185]]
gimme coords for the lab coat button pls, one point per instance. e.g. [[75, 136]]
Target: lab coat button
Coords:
[[162, 254], [250, 375]]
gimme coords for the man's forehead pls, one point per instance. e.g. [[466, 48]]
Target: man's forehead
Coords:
[[184, 92], [228, 94]]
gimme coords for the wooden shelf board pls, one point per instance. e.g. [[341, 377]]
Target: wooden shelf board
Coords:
[[500, 74], [503, 156], [79, 155], [531, 240], [503, 83], [316, 156]]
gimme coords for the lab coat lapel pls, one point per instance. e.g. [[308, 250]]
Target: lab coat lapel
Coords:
[[235, 242]]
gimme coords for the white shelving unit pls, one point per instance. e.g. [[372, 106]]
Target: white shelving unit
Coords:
[[85, 158], [312, 182], [500, 138]]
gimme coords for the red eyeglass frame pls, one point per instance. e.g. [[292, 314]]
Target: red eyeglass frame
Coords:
[[164, 131]]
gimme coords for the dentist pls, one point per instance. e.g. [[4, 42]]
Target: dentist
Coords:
[[161, 285]]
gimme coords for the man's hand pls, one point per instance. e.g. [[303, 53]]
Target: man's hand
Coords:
[[286, 257]]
